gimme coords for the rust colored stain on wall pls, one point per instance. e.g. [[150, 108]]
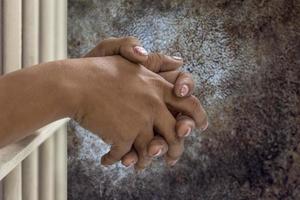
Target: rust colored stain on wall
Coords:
[[245, 58]]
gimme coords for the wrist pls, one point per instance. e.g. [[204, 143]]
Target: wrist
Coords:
[[59, 77], [77, 79]]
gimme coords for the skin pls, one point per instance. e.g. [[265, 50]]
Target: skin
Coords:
[[165, 66], [94, 92]]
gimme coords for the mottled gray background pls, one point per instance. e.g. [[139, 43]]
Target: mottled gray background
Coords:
[[245, 58]]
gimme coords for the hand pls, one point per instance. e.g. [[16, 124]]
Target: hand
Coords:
[[166, 66], [109, 107]]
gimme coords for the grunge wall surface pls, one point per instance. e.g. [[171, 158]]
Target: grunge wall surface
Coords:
[[245, 58]]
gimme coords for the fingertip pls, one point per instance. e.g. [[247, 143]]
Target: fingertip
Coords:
[[141, 51], [128, 162], [177, 58], [155, 151], [205, 126], [184, 85], [184, 126], [136, 54], [105, 160], [170, 161]]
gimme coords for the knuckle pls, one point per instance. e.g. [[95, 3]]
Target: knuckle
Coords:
[[130, 39], [107, 41], [154, 61], [158, 82], [155, 104], [109, 38], [195, 105]]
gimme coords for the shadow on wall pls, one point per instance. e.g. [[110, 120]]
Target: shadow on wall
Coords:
[[244, 56]]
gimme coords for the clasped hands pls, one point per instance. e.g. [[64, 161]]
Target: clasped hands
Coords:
[[147, 104]]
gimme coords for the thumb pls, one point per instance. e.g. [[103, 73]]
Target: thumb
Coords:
[[128, 47]]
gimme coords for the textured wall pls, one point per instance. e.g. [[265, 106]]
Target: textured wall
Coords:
[[245, 58]]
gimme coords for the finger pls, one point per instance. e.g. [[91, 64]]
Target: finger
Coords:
[[189, 106], [157, 147], [130, 158], [128, 47], [184, 126], [183, 82], [115, 154], [165, 125], [158, 62], [171, 161], [141, 146], [106, 47]]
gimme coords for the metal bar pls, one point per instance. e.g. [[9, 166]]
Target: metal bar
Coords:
[[12, 34], [30, 57], [12, 184], [30, 35], [46, 170], [47, 53], [61, 164], [61, 135], [30, 177], [11, 60]]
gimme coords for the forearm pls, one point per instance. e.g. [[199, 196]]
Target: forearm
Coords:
[[31, 98]]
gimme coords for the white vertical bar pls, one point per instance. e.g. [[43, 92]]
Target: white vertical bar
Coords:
[[61, 31], [12, 184], [61, 164], [12, 48], [30, 177], [61, 135], [30, 37], [46, 170], [47, 53], [1, 190], [12, 25], [1, 23], [30, 49], [47, 30]]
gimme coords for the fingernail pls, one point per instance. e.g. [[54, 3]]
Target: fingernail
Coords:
[[172, 163], [188, 132], [140, 50], [157, 153], [130, 164], [206, 126], [184, 90], [177, 57]]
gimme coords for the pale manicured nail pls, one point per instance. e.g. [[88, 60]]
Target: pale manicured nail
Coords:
[[158, 153], [177, 57], [172, 163], [205, 127], [130, 164], [188, 132], [184, 90], [140, 50]]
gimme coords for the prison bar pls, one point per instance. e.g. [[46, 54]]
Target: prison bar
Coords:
[[30, 51], [47, 53], [34, 31], [61, 135], [12, 58]]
